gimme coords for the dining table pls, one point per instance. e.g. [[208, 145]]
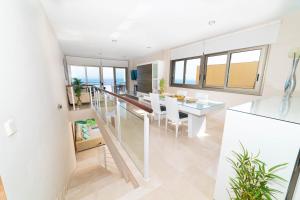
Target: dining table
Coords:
[[196, 111]]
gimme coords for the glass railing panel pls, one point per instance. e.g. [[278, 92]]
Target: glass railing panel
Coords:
[[111, 113], [128, 121], [100, 104], [131, 133], [107, 105]]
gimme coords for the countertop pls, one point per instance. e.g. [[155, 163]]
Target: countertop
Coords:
[[278, 108]]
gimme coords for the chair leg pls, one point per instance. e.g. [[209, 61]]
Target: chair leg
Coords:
[[158, 120], [176, 130]]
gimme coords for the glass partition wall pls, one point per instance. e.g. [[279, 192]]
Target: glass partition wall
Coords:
[[114, 79]]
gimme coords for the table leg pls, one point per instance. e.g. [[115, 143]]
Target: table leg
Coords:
[[196, 125]]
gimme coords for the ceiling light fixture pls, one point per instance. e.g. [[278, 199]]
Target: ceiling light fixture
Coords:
[[148, 47], [115, 35], [211, 22], [114, 40]]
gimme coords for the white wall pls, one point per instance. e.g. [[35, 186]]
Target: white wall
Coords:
[[35, 163], [251, 37], [96, 62], [277, 68]]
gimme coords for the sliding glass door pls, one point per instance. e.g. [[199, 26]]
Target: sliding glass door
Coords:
[[114, 79], [78, 72], [87, 75], [120, 74], [108, 78], [93, 76]]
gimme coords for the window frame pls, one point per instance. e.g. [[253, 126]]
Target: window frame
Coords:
[[86, 74], [85, 81], [203, 72], [126, 74], [184, 85]]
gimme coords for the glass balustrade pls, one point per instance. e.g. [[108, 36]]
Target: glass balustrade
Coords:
[[128, 123]]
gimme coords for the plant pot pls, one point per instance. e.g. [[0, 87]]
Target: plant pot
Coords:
[[161, 91], [79, 102]]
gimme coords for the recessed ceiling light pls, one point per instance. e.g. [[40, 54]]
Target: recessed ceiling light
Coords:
[[148, 47], [211, 22], [115, 35], [114, 40]]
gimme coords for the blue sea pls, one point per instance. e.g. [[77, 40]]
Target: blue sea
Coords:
[[187, 81], [96, 82]]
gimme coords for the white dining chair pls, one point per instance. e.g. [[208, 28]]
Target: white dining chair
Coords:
[[181, 93], [158, 109], [173, 113], [201, 97]]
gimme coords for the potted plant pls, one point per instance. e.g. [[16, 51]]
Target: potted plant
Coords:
[[77, 85], [162, 86], [252, 178]]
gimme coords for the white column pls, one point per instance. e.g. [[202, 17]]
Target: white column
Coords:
[[91, 98], [146, 146], [95, 97], [73, 98]]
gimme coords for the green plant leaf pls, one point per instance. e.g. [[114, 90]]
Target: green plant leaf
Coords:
[[252, 177]]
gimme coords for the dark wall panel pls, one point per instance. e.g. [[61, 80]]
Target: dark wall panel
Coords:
[[144, 78]]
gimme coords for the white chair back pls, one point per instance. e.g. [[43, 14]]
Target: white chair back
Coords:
[[182, 93], [172, 109], [155, 102], [202, 97]]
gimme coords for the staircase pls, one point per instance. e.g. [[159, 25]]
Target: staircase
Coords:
[[93, 179]]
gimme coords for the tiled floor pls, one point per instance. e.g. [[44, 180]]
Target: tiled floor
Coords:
[[186, 167], [182, 168]]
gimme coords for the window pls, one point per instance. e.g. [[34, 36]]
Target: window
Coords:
[[93, 76], [108, 78], [88, 75], [78, 72], [215, 71], [192, 71], [120, 76], [243, 69], [239, 71], [178, 72], [186, 72]]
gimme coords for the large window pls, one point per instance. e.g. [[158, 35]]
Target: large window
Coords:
[[78, 72], [243, 69], [192, 71], [178, 71], [215, 70], [93, 76], [108, 78], [111, 76], [186, 72], [120, 76], [238, 71], [88, 75]]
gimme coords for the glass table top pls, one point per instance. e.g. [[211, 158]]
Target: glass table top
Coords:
[[274, 107], [201, 105]]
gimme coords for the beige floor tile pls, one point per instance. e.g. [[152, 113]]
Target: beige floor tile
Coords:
[[184, 168]]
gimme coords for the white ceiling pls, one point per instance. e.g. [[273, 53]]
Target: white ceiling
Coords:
[[87, 27]]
